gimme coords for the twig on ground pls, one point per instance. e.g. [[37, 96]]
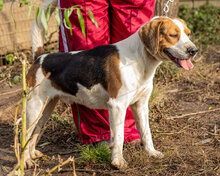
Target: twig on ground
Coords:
[[74, 168], [79, 170], [217, 167], [68, 153], [194, 113], [11, 92], [70, 159], [193, 91], [3, 80], [213, 134]]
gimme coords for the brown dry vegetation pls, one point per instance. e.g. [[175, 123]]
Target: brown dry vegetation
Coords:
[[185, 122]]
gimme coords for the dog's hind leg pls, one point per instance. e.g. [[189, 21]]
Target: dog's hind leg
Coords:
[[116, 119], [34, 107], [140, 113]]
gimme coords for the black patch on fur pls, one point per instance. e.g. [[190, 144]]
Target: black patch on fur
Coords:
[[86, 68]]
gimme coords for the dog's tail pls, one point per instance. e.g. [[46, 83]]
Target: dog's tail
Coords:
[[38, 31]]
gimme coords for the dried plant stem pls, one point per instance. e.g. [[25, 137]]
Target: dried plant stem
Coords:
[[16, 143], [74, 168], [70, 159], [24, 99], [11, 92]]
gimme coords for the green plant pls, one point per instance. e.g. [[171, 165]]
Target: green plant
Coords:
[[45, 14], [99, 154], [60, 121], [204, 23], [10, 58]]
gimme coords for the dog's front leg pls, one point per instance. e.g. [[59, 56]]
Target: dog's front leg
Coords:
[[140, 113], [116, 119]]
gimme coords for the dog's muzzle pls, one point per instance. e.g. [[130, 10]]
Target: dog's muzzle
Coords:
[[191, 51]]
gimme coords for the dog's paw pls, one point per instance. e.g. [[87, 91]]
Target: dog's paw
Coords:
[[119, 163], [29, 163], [156, 154], [36, 154]]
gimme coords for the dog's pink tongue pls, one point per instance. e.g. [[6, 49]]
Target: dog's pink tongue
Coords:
[[186, 64]]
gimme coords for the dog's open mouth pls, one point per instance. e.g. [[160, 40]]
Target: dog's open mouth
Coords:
[[184, 63]]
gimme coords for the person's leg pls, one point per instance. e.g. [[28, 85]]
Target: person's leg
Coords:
[[126, 17], [92, 125], [94, 36]]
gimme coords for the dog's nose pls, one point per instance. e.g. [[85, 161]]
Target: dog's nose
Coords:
[[192, 51]]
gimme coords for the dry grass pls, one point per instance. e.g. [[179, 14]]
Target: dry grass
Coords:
[[191, 144]]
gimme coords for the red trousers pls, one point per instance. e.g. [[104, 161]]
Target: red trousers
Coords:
[[117, 19]]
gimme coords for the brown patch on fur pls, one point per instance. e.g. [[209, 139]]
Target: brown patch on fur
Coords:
[[113, 75], [40, 50], [149, 35], [47, 75], [53, 84], [44, 72], [186, 29], [31, 76], [168, 30], [157, 34]]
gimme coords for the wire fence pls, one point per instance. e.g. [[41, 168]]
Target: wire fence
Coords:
[[15, 29]]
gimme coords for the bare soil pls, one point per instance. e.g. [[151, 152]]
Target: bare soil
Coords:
[[185, 124]]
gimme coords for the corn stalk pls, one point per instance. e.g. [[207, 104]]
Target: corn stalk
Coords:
[[24, 99]]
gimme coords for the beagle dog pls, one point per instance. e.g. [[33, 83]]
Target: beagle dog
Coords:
[[110, 77]]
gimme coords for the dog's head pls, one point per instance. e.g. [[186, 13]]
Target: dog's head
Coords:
[[167, 39]]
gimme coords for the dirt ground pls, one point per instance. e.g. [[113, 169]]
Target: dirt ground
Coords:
[[185, 124]]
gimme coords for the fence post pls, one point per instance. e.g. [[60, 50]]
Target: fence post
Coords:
[[173, 8]]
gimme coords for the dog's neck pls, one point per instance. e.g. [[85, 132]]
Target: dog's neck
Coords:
[[135, 52]]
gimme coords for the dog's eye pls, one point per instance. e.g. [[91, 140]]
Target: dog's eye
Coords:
[[174, 35], [188, 34]]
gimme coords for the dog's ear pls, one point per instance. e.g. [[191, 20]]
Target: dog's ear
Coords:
[[149, 34]]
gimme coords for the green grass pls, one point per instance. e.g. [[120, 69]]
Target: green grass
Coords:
[[98, 154]]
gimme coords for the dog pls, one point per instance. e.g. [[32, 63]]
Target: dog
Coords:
[[110, 77]]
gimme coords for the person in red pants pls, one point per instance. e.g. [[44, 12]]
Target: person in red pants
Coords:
[[117, 19]]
